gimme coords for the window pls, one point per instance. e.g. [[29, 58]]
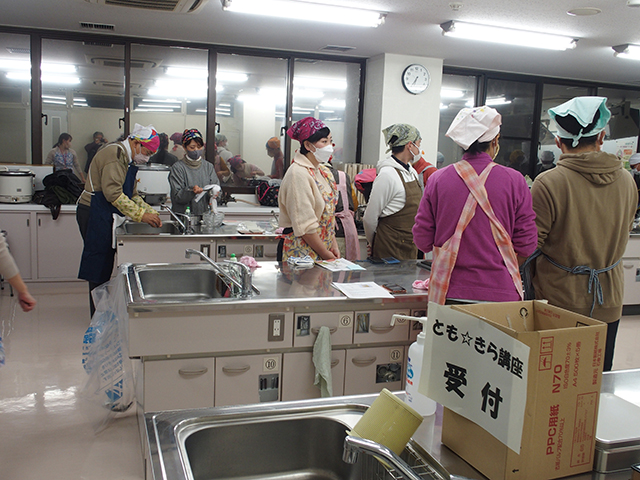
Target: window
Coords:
[[457, 92], [622, 131]]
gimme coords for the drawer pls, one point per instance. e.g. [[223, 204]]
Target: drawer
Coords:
[[248, 379], [178, 384], [374, 326], [306, 326], [369, 370]]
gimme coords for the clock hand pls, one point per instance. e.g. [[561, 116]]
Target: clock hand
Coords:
[[414, 81]]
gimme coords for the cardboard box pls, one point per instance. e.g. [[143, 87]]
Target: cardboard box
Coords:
[[563, 389]]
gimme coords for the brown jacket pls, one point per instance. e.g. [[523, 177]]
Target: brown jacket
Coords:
[[584, 213]]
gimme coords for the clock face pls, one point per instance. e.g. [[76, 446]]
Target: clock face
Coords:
[[415, 78]]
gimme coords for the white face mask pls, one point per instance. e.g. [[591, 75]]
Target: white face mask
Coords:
[[416, 156], [324, 154]]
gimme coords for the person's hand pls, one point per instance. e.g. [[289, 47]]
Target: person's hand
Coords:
[[26, 301], [369, 250], [197, 189], [152, 219], [334, 249]]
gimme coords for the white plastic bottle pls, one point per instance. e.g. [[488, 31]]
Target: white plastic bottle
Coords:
[[419, 402]]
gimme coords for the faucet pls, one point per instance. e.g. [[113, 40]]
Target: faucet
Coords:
[[246, 287], [184, 227], [354, 445]]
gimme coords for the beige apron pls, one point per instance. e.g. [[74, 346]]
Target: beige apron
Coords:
[[394, 237]]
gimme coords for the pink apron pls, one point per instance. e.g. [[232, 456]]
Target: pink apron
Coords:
[[348, 223], [444, 257]]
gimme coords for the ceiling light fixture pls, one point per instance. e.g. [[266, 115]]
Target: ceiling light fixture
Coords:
[[633, 3], [317, 82], [46, 78], [507, 36], [584, 11], [320, 12], [628, 51]]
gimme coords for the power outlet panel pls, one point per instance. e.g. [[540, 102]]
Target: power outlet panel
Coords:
[[276, 327]]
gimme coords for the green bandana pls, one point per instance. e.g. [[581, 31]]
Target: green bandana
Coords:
[[400, 134]]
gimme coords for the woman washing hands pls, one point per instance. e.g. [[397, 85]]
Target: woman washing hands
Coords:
[[308, 196]]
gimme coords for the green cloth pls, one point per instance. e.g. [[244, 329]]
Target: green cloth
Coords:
[[400, 134], [322, 362], [583, 109]]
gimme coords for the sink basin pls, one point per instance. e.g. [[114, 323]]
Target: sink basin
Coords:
[[178, 282], [135, 228], [283, 440]]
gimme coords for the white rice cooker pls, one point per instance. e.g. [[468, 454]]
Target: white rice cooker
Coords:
[[16, 185], [153, 183]]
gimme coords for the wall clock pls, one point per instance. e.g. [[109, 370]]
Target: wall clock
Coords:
[[415, 78]]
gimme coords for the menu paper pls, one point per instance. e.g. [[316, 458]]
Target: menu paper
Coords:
[[362, 290], [339, 265]]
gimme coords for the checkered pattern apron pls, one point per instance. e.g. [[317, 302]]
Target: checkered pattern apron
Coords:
[[444, 257]]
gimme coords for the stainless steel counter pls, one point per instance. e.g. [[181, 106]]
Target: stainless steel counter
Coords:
[[226, 230], [279, 283]]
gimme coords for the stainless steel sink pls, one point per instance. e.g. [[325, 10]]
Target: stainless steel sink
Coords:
[[287, 440], [178, 282], [135, 228]]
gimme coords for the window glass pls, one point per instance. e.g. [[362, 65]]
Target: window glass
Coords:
[[457, 92], [516, 103], [82, 93], [329, 91], [552, 96], [169, 88], [15, 98], [250, 108], [622, 131]]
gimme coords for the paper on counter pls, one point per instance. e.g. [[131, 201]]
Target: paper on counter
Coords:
[[249, 227], [205, 189], [362, 290], [339, 265]]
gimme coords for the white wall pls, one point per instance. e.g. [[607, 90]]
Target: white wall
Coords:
[[387, 102]]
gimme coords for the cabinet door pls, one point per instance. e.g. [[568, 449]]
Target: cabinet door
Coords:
[[59, 246], [298, 375], [248, 379], [178, 384], [369, 370], [631, 269], [18, 228], [374, 326], [307, 325]]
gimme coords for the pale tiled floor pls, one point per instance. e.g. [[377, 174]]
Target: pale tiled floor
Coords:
[[44, 432]]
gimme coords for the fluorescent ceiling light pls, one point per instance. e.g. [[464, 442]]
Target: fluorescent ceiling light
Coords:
[[318, 12], [630, 52], [46, 78], [509, 36], [203, 73], [450, 93], [168, 100], [153, 110], [328, 83], [44, 67], [498, 101], [443, 106], [54, 102], [54, 97]]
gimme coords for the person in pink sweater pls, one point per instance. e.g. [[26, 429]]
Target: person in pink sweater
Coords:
[[471, 266]]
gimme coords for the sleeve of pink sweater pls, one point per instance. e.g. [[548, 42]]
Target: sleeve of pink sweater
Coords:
[[424, 228]]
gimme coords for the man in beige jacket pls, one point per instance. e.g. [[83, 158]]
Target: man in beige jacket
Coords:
[[584, 213]]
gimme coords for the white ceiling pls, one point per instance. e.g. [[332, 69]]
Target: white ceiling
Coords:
[[411, 27]]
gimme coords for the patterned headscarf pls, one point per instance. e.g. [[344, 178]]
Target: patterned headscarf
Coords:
[[235, 162], [192, 134], [273, 143], [400, 134], [176, 138], [147, 136], [303, 129]]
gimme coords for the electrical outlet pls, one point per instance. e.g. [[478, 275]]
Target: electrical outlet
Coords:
[[276, 327], [204, 248]]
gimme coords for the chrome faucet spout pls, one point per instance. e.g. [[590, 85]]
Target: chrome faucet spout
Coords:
[[245, 287], [174, 216], [354, 445]]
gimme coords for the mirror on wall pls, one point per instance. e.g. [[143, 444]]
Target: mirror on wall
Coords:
[[82, 93], [169, 90], [15, 98]]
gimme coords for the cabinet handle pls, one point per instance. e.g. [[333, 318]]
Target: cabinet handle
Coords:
[[363, 362], [332, 330], [335, 362], [627, 265], [236, 370], [381, 329], [39, 222], [28, 222], [184, 372]]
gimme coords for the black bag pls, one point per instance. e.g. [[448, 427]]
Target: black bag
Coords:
[[267, 192]]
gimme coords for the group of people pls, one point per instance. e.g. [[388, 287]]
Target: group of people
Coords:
[[480, 219]]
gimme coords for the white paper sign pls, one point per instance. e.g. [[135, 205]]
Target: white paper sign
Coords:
[[477, 371]]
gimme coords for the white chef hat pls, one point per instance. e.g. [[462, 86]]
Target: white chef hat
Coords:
[[634, 159], [480, 124]]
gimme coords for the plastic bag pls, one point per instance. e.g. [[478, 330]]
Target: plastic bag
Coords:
[[109, 388]]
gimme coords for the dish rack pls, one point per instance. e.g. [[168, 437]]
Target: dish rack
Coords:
[[374, 469]]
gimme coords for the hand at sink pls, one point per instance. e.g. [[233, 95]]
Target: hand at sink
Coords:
[[136, 228]]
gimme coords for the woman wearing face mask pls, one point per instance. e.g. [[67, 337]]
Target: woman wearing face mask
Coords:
[[395, 196], [111, 189], [477, 217], [308, 196], [189, 175]]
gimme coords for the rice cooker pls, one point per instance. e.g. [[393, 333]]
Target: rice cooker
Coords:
[[16, 185], [153, 183]]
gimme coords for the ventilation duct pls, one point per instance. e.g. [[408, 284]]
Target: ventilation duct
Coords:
[[337, 48], [97, 26], [178, 6], [119, 62]]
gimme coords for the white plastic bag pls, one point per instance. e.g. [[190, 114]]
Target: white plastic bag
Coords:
[[109, 387]]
